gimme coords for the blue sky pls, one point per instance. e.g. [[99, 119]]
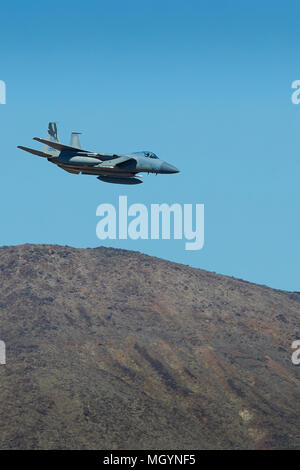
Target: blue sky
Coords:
[[205, 85]]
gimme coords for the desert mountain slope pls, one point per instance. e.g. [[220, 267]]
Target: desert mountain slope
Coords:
[[113, 349]]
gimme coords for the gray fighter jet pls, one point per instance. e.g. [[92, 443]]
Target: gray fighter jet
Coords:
[[111, 168]]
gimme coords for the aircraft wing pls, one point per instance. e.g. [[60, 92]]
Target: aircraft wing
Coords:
[[110, 160], [58, 146]]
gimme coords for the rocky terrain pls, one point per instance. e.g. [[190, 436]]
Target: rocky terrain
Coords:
[[113, 349]]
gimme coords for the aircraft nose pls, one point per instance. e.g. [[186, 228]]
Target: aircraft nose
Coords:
[[167, 168]]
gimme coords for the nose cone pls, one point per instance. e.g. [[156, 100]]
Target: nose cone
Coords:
[[167, 168]]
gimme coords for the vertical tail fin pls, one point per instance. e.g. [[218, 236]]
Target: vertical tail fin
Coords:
[[53, 136], [75, 141]]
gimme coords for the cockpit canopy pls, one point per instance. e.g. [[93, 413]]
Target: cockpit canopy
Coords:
[[146, 154], [150, 155]]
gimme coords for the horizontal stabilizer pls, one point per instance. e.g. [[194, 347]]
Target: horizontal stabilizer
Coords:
[[35, 152]]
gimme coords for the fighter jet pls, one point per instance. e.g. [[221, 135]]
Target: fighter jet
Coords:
[[110, 168]]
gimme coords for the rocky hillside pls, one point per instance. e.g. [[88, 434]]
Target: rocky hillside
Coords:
[[113, 349]]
